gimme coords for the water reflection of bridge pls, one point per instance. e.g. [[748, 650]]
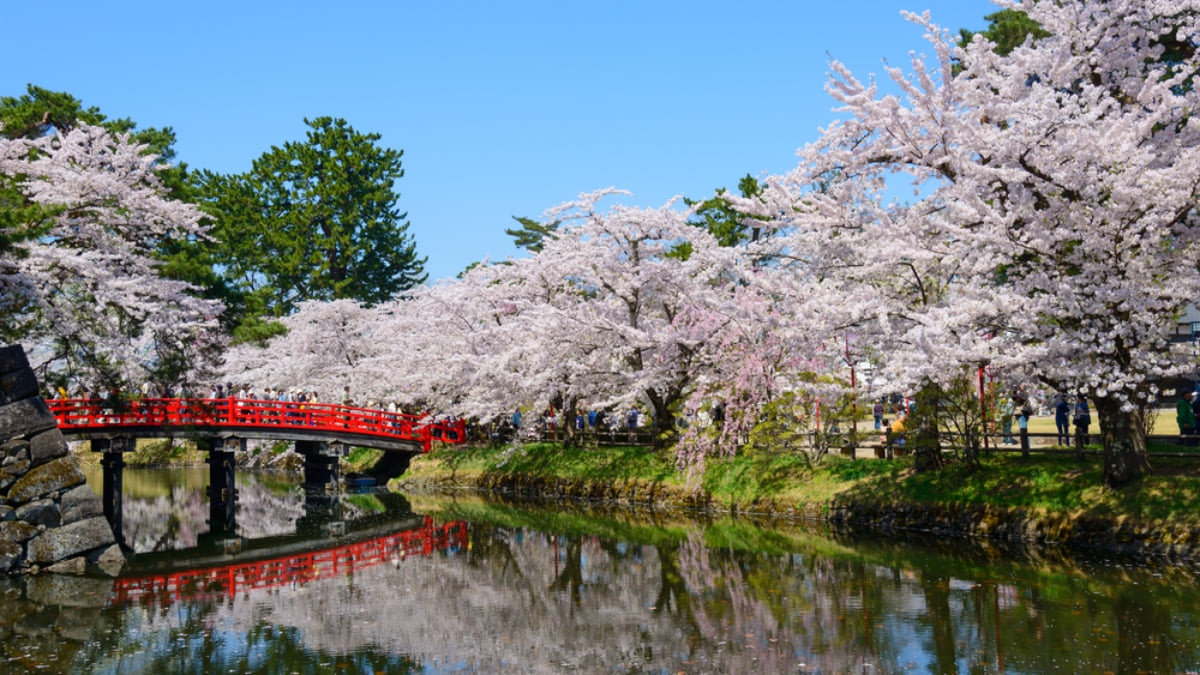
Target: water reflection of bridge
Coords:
[[226, 566]]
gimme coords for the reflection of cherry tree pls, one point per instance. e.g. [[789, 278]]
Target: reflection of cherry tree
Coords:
[[727, 611], [175, 520], [534, 601], [781, 613]]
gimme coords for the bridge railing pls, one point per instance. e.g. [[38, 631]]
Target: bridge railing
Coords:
[[235, 413]]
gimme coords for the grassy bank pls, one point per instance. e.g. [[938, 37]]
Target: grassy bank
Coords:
[[1041, 485]]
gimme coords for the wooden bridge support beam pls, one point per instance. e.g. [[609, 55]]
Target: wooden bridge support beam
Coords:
[[113, 472], [320, 465]]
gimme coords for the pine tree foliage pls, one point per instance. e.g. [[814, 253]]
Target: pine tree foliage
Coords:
[[315, 220]]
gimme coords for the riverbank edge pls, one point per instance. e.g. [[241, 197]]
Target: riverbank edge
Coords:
[[1121, 536]]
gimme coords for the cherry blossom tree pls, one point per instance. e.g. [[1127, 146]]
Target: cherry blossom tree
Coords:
[[83, 293], [324, 349], [464, 346], [442, 348], [612, 312], [640, 292], [1052, 224]]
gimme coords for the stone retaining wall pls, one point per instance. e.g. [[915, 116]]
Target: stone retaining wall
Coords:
[[49, 518]]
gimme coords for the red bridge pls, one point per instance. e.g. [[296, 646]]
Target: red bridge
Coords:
[[251, 418]]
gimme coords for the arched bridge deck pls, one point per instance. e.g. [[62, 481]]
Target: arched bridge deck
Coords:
[[253, 419]]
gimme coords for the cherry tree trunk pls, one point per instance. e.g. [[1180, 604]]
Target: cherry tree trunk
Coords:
[[1124, 437], [570, 434], [663, 426], [924, 437]]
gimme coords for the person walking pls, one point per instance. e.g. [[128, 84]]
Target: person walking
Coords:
[[1185, 416], [1006, 420], [1083, 419], [1062, 411], [1025, 412]]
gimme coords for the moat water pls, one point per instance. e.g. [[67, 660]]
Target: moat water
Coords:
[[382, 583]]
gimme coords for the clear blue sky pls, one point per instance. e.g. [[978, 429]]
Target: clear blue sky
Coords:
[[501, 109]]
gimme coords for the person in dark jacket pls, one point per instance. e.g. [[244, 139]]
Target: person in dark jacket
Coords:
[[1062, 413], [1083, 417], [1185, 416]]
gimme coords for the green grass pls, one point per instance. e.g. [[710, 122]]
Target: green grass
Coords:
[[550, 459], [360, 459], [1050, 485], [743, 480]]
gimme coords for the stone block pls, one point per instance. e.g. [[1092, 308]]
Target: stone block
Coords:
[[79, 503], [70, 540], [13, 450], [7, 513], [111, 560], [11, 553], [14, 468], [40, 512], [12, 358], [19, 384], [54, 475], [76, 565], [17, 531], [46, 446], [25, 417]]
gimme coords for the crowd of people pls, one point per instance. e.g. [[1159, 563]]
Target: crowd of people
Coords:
[[152, 390], [891, 417], [550, 422]]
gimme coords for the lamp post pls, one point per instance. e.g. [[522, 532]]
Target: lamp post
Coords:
[[983, 406]]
